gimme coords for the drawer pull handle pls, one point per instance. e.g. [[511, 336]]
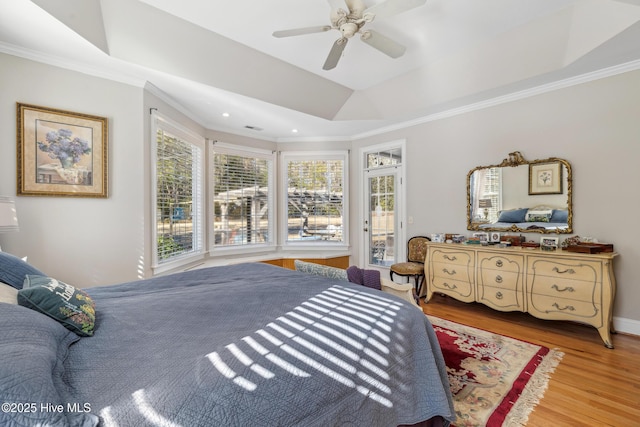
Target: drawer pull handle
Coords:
[[448, 258], [567, 289], [498, 279], [499, 263], [499, 295], [446, 285], [567, 307], [450, 273], [568, 270]]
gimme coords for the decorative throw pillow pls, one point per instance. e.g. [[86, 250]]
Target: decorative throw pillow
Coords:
[[8, 294], [539, 215], [320, 270], [560, 215], [13, 270], [513, 215], [72, 307]]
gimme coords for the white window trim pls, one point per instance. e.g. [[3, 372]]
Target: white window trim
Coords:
[[322, 245], [240, 150], [159, 120]]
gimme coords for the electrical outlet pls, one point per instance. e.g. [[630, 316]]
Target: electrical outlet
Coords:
[[410, 219]]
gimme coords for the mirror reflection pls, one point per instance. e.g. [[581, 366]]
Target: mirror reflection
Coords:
[[521, 196]]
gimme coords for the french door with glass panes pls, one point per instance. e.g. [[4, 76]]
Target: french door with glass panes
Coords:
[[382, 222]]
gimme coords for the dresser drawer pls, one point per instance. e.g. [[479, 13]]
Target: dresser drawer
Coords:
[[567, 289], [451, 271], [501, 298], [499, 262], [507, 280], [574, 270], [452, 256], [548, 307], [459, 289]]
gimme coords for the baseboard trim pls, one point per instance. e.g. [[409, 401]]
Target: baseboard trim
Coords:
[[626, 326]]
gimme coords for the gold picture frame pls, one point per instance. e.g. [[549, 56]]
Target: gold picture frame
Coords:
[[61, 153], [545, 178]]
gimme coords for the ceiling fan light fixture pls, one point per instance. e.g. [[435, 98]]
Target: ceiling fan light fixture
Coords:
[[349, 29]]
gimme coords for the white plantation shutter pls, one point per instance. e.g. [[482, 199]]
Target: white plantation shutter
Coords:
[[178, 159], [315, 202], [243, 194]]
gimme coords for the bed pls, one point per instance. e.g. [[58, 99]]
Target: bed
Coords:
[[241, 345], [537, 218]]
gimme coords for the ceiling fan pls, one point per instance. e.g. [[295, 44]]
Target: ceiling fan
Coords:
[[351, 22]]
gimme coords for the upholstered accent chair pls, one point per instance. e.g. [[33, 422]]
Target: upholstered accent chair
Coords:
[[414, 266]]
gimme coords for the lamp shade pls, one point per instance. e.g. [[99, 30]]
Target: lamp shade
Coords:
[[8, 217]]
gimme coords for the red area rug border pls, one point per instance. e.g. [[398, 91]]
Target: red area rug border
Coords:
[[524, 387]]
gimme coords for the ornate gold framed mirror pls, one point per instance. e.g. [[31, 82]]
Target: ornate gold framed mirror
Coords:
[[517, 195]]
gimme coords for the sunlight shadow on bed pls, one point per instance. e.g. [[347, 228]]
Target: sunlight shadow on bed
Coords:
[[149, 412], [339, 318]]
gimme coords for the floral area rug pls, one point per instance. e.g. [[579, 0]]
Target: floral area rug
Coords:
[[495, 380]]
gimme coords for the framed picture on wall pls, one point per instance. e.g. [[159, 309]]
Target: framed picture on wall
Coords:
[[61, 153], [545, 178]]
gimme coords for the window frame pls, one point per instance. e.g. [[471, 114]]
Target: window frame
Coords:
[[162, 122], [324, 245], [216, 147]]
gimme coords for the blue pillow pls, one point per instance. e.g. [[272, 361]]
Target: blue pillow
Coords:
[[513, 215], [13, 270], [560, 215]]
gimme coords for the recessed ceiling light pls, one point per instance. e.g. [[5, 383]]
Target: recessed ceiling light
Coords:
[[294, 130], [225, 114]]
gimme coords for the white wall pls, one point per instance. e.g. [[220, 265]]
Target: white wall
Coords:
[[83, 241], [595, 126], [90, 242]]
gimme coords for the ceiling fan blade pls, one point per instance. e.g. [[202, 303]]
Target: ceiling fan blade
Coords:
[[393, 7], [335, 54], [356, 8], [301, 31], [383, 43]]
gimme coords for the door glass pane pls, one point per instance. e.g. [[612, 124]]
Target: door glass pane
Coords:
[[382, 219]]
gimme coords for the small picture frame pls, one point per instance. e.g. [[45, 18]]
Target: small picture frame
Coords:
[[545, 178], [459, 238], [437, 237], [548, 243], [483, 237], [494, 237]]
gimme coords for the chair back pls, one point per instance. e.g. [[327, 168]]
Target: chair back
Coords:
[[417, 249]]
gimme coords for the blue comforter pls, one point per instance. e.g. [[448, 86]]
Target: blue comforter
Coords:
[[241, 345]]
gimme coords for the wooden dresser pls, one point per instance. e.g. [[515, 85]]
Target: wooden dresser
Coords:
[[556, 285]]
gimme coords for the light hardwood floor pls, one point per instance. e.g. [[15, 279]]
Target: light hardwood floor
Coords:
[[592, 386]]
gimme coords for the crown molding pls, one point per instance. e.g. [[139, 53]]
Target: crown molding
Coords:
[[70, 65], [515, 96]]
